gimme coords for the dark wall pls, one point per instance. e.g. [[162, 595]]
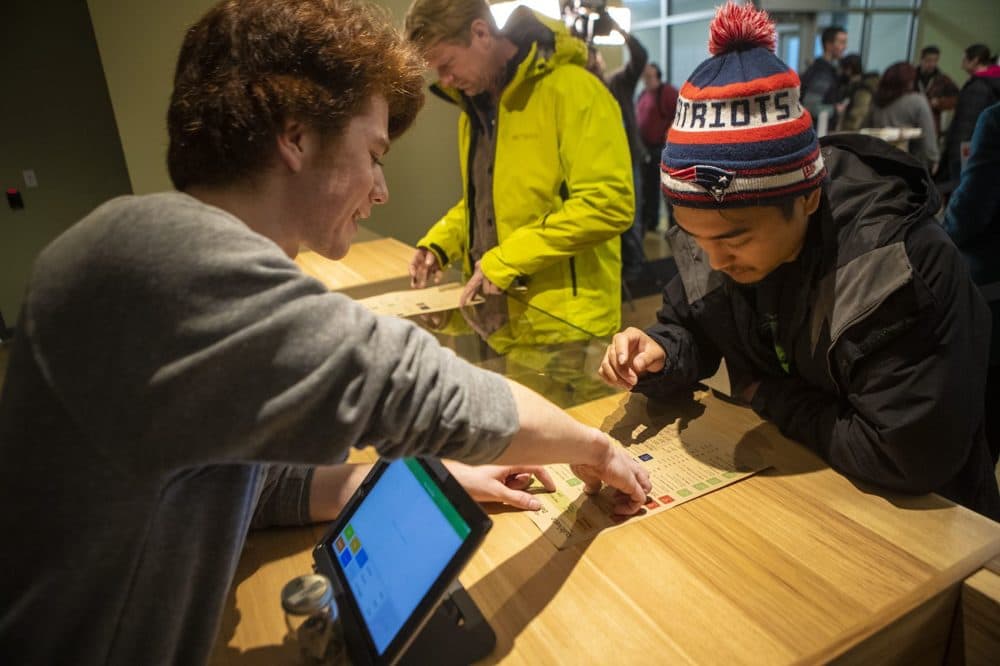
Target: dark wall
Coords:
[[55, 118]]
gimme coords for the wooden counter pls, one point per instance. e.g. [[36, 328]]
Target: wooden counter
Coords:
[[795, 564], [367, 262], [981, 616]]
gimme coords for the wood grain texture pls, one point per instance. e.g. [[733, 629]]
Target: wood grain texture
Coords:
[[366, 262], [795, 564], [981, 618]]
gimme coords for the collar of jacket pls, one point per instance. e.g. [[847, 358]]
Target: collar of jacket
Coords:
[[543, 44], [873, 196], [991, 72]]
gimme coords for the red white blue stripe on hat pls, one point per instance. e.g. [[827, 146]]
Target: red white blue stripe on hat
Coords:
[[740, 136], [695, 184]]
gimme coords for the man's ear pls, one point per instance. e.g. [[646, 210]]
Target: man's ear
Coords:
[[812, 201], [291, 145], [479, 29]]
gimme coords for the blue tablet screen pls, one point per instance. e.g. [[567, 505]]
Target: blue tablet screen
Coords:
[[395, 546]]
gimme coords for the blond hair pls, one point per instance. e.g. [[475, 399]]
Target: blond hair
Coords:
[[430, 22]]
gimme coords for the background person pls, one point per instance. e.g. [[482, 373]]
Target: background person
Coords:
[[972, 219], [897, 104], [941, 91], [621, 83], [655, 112], [546, 173], [980, 91], [856, 96], [821, 81]]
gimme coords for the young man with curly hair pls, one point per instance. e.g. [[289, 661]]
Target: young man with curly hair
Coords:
[[179, 379]]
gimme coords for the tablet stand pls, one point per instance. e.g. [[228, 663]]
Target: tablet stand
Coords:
[[457, 633]]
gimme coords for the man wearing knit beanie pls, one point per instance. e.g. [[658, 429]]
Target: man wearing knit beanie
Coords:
[[816, 270]]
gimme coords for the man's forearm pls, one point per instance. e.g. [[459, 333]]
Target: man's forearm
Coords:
[[332, 486], [547, 434]]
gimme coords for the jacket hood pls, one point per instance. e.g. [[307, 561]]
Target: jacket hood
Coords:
[[877, 192], [543, 44], [991, 72], [991, 77], [554, 44]]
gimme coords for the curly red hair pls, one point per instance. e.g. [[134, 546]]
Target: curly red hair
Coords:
[[249, 65]]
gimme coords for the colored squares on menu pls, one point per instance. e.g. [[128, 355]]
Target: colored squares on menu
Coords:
[[349, 532], [651, 504], [666, 499], [646, 457], [573, 481], [362, 558], [684, 492], [355, 545], [345, 558], [714, 481], [700, 486], [340, 543], [730, 475]]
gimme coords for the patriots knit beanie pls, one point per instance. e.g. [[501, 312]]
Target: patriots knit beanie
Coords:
[[740, 137]]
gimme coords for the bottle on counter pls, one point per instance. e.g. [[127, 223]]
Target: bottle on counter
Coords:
[[312, 620]]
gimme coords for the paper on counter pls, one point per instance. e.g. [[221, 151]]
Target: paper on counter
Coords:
[[679, 473], [410, 302]]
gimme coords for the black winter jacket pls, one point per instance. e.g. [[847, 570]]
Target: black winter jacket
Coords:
[[885, 336], [979, 92]]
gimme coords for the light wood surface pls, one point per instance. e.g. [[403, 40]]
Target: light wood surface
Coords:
[[796, 564], [981, 616], [366, 262]]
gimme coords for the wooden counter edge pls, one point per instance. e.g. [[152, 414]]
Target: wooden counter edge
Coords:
[[910, 616]]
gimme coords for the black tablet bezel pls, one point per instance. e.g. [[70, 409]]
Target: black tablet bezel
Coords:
[[360, 645]]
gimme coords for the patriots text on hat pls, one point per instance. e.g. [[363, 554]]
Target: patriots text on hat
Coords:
[[768, 109], [740, 135]]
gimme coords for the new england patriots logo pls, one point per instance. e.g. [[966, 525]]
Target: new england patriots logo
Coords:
[[713, 179]]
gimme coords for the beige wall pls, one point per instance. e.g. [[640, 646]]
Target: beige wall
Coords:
[[953, 25], [57, 120], [138, 42]]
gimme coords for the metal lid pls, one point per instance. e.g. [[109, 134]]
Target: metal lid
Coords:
[[306, 594]]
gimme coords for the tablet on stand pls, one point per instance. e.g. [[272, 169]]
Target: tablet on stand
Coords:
[[394, 556]]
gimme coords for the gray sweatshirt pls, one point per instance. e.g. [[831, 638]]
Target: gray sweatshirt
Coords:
[[174, 378], [910, 110]]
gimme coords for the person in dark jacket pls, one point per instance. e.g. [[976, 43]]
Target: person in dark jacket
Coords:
[[972, 219], [941, 91], [856, 97], [817, 271], [821, 81], [621, 83], [654, 112], [980, 91]]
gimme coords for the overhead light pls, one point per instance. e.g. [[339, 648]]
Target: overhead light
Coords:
[[622, 17], [502, 11]]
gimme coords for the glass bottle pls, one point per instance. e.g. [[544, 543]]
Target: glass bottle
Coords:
[[312, 620]]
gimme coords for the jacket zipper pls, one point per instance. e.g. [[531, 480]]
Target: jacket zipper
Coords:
[[572, 272]]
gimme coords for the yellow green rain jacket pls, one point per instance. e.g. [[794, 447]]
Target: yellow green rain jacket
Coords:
[[562, 192]]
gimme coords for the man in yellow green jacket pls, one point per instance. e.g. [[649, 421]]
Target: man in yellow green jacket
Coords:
[[547, 181]]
